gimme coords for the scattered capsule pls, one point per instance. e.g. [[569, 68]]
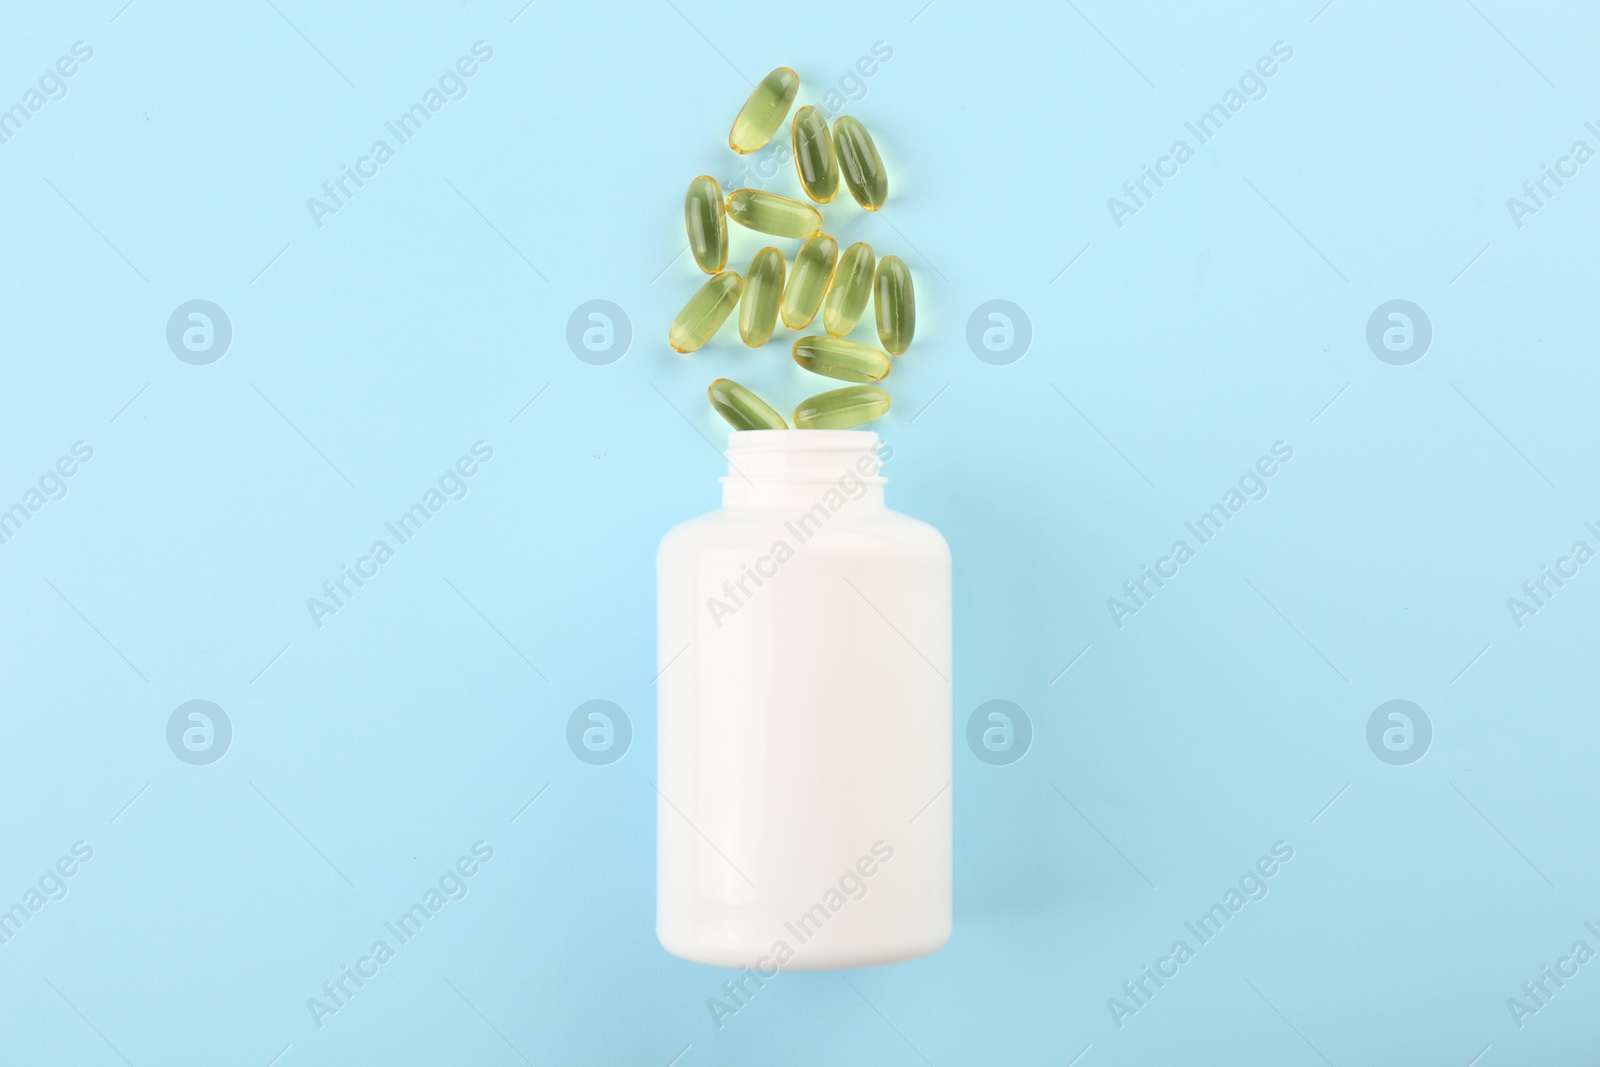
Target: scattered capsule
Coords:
[[742, 408], [895, 304], [852, 286], [814, 157], [841, 408], [707, 223], [706, 310], [763, 291], [858, 159], [774, 214], [764, 111], [845, 360], [813, 268]]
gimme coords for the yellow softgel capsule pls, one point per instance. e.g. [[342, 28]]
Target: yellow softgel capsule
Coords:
[[858, 159], [774, 214], [742, 408], [814, 157], [813, 269], [763, 291], [845, 360], [764, 111], [895, 304], [852, 287], [841, 408], [706, 310], [707, 223]]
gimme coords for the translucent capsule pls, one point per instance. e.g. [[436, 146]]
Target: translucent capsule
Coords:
[[845, 360], [706, 310], [763, 291], [841, 408], [896, 305], [742, 408], [764, 111], [852, 286], [814, 158], [813, 268], [858, 159], [707, 224], [774, 214]]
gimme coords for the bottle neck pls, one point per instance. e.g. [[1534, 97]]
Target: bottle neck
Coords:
[[801, 468]]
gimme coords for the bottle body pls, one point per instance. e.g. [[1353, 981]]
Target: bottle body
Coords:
[[804, 642]]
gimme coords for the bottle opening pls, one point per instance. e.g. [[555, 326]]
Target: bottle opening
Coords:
[[768, 466]]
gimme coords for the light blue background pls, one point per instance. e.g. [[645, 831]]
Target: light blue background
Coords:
[[1227, 314]]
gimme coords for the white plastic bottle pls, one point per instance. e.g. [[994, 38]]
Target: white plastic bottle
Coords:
[[804, 807]]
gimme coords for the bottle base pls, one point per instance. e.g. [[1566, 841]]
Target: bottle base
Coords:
[[803, 958]]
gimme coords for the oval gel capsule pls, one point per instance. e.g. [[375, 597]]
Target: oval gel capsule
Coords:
[[742, 408], [707, 223], [845, 360], [763, 292], [774, 214], [851, 289], [813, 268], [896, 305], [841, 408], [814, 157], [858, 160], [764, 111], [706, 310]]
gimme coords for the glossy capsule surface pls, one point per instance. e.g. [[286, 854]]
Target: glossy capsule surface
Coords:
[[774, 214], [814, 157], [764, 111], [763, 292], [850, 290], [707, 223], [895, 304], [841, 408], [813, 269], [844, 360], [706, 310], [742, 408], [859, 162]]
